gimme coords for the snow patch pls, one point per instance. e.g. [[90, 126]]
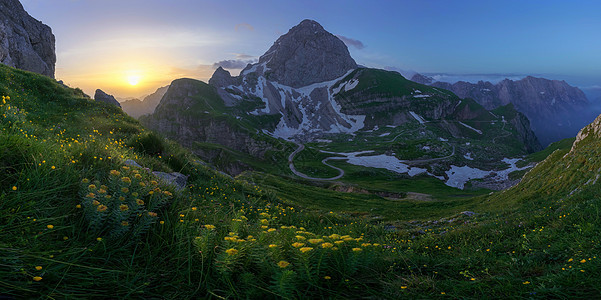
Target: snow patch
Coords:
[[384, 134], [470, 127], [418, 118], [468, 156], [421, 96], [442, 139]]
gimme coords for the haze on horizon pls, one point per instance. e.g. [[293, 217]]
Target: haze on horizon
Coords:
[[130, 48]]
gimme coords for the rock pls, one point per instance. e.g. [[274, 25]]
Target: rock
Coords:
[[306, 54], [221, 78], [179, 180], [25, 42], [106, 98], [468, 213], [133, 163], [593, 130]]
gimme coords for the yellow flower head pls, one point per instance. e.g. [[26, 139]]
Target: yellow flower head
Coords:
[[92, 187], [298, 245], [85, 180], [327, 277], [357, 249], [305, 249], [121, 198], [273, 246], [115, 173], [95, 202], [37, 278], [271, 230], [154, 182], [153, 214], [264, 221], [101, 191], [138, 176], [210, 227], [90, 195], [315, 241], [49, 226], [38, 268], [283, 264], [123, 207], [231, 251], [125, 190], [300, 238], [139, 201], [126, 179], [124, 223], [327, 245], [101, 208]]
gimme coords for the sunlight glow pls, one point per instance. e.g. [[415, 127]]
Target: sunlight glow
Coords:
[[133, 79]]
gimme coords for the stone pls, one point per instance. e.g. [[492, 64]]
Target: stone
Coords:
[[176, 179], [106, 98], [25, 43]]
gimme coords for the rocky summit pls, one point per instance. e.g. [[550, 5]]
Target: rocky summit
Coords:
[[305, 55], [25, 42]]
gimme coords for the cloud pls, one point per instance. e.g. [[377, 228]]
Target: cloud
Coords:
[[246, 26], [233, 63], [243, 56], [351, 42]]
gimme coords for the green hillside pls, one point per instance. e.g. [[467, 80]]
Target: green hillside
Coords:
[[77, 222]]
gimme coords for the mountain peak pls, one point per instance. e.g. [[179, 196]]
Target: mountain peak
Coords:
[[305, 55]]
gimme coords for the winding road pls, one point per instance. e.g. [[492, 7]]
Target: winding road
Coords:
[[300, 148]]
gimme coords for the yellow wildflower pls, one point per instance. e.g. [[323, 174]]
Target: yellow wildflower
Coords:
[[271, 230], [264, 221], [231, 251], [583, 261], [85, 180], [327, 245], [298, 245], [305, 249], [37, 278], [78, 206], [357, 249], [38, 268], [99, 239], [124, 223], [125, 190], [115, 173], [139, 201], [300, 238], [315, 241], [208, 226], [123, 207], [153, 214], [273, 246], [92, 186], [101, 208], [526, 282], [327, 277], [49, 226], [126, 179], [138, 176], [95, 202], [283, 264]]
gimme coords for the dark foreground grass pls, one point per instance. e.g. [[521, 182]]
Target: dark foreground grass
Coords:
[[225, 238]]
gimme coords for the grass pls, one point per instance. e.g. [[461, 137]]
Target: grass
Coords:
[[235, 238]]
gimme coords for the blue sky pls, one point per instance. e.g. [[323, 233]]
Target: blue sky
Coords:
[[102, 43]]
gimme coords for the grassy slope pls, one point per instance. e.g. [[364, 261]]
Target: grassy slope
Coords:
[[529, 242]]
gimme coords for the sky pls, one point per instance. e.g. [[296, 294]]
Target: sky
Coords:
[[129, 48]]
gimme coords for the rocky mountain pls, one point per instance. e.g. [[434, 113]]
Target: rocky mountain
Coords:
[[307, 88], [137, 108], [101, 96], [556, 110], [25, 42]]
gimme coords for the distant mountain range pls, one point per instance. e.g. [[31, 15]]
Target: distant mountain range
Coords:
[[137, 108], [556, 110]]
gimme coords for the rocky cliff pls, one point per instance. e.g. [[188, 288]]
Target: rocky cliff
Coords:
[[556, 110], [25, 42]]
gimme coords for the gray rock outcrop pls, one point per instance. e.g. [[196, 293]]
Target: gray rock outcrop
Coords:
[[106, 98], [25, 42], [306, 54]]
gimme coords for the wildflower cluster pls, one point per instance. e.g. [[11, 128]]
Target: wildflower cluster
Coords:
[[127, 204]]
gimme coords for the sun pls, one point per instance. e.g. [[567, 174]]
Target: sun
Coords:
[[133, 79]]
